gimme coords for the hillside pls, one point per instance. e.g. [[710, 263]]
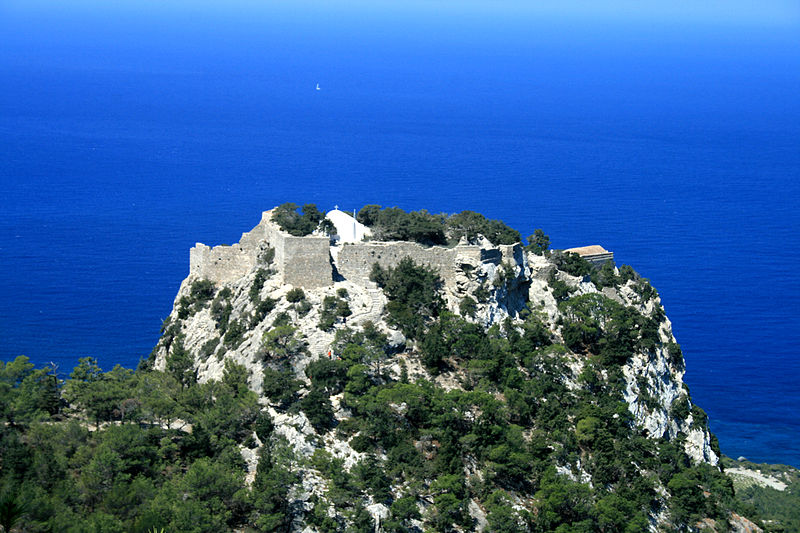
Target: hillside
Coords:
[[438, 377]]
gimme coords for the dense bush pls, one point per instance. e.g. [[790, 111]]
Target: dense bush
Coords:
[[282, 342], [605, 276], [298, 224], [221, 309], [470, 224], [295, 295], [413, 293], [200, 292], [572, 263], [333, 308], [538, 243], [266, 256], [258, 283], [394, 224], [234, 335], [561, 291], [263, 308], [467, 306], [597, 324]]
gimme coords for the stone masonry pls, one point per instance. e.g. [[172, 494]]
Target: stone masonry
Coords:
[[307, 261]]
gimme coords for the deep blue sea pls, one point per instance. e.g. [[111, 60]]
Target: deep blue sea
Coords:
[[131, 130]]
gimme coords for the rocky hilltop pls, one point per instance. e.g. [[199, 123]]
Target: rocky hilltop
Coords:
[[469, 385]]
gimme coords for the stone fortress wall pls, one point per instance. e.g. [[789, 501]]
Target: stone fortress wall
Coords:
[[220, 263], [299, 261], [355, 260], [307, 261]]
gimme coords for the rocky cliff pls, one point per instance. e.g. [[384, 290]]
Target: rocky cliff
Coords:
[[573, 338]]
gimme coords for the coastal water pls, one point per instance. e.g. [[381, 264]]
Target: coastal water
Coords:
[[129, 133]]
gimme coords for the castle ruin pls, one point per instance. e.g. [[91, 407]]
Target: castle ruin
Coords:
[[315, 261]]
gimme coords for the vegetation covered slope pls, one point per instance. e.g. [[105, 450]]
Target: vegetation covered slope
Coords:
[[422, 415], [769, 492]]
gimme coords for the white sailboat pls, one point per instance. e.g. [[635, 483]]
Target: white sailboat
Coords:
[[318, 87]]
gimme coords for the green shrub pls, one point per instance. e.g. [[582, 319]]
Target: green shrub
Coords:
[[627, 273], [680, 408], [538, 243], [343, 309], [675, 354], [184, 307], [326, 322], [605, 276], [328, 374], [258, 284], [180, 363], [295, 223], [221, 309], [503, 275], [209, 348], [280, 386], [333, 308], [282, 319], [234, 335], [572, 264], [394, 224], [302, 308], [561, 291], [202, 291], [467, 306], [282, 343], [470, 224], [295, 295], [643, 288], [413, 293], [327, 315], [263, 426], [482, 293], [318, 409], [699, 417], [599, 325], [267, 256], [263, 308]]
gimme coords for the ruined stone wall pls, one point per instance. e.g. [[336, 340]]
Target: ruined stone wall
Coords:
[[301, 261], [306, 261], [354, 261], [223, 263], [220, 263]]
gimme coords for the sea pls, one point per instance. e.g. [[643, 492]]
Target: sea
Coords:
[[668, 134]]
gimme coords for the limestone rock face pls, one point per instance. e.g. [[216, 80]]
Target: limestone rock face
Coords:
[[487, 284]]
